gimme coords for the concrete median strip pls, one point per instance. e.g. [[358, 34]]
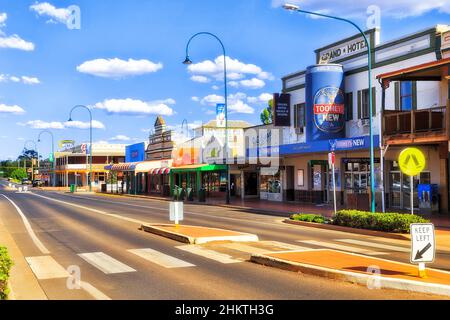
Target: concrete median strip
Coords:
[[197, 235], [368, 271]]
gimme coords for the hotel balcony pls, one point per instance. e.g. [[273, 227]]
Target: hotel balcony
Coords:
[[416, 126]]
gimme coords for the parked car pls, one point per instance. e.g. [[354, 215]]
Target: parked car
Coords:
[[26, 181]]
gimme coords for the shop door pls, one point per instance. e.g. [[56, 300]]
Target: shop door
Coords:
[[319, 183]]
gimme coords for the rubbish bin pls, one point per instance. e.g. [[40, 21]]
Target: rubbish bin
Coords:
[[176, 193], [73, 188]]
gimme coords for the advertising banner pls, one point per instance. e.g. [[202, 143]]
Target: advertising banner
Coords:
[[66, 144], [220, 115], [282, 110]]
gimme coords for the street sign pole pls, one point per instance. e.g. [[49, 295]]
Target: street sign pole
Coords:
[[334, 191], [412, 195], [331, 163]]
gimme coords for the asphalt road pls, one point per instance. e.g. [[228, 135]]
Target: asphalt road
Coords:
[[96, 233]]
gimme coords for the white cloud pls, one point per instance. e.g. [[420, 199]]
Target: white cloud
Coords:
[[117, 68], [195, 99], [120, 137], [200, 79], [13, 41], [46, 9], [14, 79], [214, 87], [262, 98], [136, 107], [253, 83], [30, 80], [3, 18], [236, 70], [236, 102], [396, 9], [11, 109], [57, 125]]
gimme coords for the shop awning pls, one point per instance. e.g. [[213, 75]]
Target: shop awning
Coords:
[[121, 167], [147, 166], [160, 171], [200, 167], [431, 71]]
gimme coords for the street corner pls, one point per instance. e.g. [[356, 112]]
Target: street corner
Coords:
[[197, 234], [375, 273]]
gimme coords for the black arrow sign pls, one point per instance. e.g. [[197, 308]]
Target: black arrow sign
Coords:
[[420, 253]]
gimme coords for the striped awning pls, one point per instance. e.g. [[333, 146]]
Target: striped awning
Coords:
[[121, 167], [160, 171]]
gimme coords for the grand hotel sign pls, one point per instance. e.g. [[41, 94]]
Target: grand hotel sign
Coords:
[[343, 50]]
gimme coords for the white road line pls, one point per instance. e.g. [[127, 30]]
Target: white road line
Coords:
[[105, 263], [374, 245], [93, 291], [245, 248], [341, 247], [30, 231], [46, 267], [284, 245], [209, 254], [160, 258], [91, 209]]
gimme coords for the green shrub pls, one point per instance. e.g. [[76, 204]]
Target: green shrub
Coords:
[[388, 222], [309, 218], [5, 267]]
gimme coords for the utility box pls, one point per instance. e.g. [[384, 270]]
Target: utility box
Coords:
[[428, 198]]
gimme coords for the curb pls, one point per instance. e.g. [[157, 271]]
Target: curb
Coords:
[[243, 237], [353, 277], [375, 233]]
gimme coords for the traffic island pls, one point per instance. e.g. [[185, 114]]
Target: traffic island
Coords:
[[358, 269], [197, 235]]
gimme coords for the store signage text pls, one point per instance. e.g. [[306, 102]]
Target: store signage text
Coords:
[[342, 51], [329, 109]]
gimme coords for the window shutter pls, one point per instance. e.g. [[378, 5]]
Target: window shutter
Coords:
[[414, 95], [359, 104], [374, 102], [397, 95]]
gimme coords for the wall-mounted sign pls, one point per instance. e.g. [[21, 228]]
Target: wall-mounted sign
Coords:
[[445, 44], [329, 110], [66, 144], [282, 110], [220, 115], [343, 50], [135, 152]]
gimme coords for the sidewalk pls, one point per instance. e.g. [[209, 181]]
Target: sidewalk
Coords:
[[363, 270], [22, 282]]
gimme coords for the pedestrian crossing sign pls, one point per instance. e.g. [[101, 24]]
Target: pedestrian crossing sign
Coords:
[[412, 161]]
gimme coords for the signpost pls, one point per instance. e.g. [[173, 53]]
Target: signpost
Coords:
[[412, 162], [332, 162], [423, 245]]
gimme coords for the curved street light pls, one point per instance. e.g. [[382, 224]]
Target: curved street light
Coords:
[[53, 154], [188, 61], [90, 139], [292, 7]]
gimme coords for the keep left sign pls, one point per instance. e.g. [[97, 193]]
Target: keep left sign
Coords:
[[423, 243]]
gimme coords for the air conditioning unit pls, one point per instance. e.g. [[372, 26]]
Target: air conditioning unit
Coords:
[[364, 123], [300, 130]]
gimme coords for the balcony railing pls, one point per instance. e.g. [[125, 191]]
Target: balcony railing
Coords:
[[415, 123]]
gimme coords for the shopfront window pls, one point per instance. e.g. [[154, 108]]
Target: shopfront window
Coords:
[[357, 175], [270, 183]]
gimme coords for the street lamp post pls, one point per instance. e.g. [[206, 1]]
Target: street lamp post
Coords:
[[90, 140], [292, 7], [188, 61], [53, 154]]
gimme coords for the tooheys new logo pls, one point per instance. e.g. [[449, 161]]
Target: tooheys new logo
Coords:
[[329, 110]]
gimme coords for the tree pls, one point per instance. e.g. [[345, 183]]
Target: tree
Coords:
[[19, 174], [267, 114]]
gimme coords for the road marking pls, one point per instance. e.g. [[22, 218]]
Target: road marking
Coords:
[[46, 267], [374, 245], [93, 291], [340, 247], [285, 245], [30, 231], [93, 210], [209, 254], [161, 259], [245, 248], [105, 263]]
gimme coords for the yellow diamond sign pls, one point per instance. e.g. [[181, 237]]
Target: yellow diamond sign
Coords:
[[412, 161]]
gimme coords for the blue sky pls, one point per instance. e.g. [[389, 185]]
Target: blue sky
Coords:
[[125, 61]]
